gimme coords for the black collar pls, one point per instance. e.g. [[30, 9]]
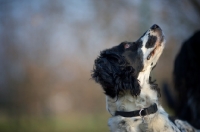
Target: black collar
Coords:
[[143, 112]]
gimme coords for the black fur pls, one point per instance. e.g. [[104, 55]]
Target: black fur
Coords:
[[115, 71], [187, 81], [186, 77], [151, 42]]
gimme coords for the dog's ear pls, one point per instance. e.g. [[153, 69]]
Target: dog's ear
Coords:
[[114, 74], [104, 73]]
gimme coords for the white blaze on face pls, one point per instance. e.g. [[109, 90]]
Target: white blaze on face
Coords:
[[146, 51], [151, 55]]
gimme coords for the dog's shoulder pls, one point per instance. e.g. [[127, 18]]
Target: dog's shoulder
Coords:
[[161, 122]]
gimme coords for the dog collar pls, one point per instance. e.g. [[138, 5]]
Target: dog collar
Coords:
[[143, 112]]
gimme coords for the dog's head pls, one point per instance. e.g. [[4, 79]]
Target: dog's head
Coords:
[[117, 68]]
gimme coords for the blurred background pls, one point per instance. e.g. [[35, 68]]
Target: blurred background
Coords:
[[47, 51]]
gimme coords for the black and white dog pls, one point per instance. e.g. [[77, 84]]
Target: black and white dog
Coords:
[[131, 97]]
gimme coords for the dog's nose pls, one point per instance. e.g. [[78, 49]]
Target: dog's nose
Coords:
[[155, 26]]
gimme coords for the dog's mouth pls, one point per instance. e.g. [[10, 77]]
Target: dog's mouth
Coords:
[[152, 53]]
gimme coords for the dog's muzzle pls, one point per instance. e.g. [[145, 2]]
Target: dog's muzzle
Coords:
[[143, 112]]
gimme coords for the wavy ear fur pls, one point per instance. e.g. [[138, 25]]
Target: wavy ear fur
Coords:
[[114, 74]]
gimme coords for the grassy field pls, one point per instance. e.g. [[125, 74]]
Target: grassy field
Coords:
[[71, 123]]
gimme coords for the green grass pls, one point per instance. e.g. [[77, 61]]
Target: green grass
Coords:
[[71, 123]]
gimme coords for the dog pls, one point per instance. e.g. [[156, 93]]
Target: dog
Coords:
[[186, 75], [132, 98]]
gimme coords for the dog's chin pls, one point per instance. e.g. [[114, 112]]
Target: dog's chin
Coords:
[[157, 51]]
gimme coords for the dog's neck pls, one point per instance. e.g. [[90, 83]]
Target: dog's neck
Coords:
[[143, 76], [129, 103]]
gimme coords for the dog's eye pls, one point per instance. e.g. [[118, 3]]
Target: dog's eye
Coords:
[[126, 46]]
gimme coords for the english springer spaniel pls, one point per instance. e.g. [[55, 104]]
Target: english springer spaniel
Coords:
[[123, 72]]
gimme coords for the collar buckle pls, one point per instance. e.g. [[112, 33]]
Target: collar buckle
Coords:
[[140, 113], [143, 112]]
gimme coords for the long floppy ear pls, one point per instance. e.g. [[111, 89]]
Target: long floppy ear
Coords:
[[114, 74]]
